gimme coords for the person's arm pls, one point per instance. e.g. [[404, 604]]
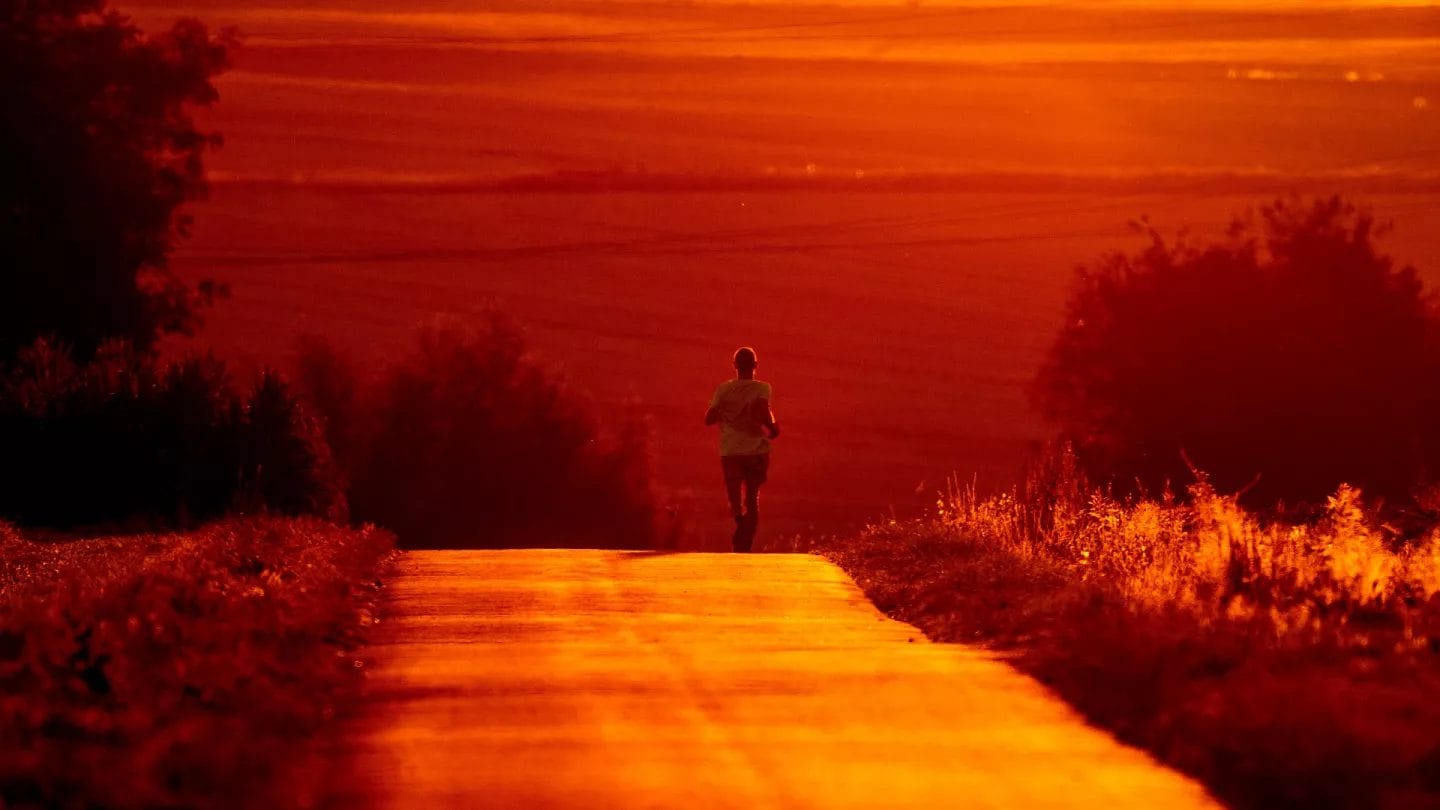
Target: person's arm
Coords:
[[767, 418], [712, 413]]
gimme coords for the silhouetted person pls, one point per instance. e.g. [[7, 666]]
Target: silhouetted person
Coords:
[[742, 409]]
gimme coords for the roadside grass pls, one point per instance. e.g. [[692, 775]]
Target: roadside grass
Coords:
[[178, 670], [1283, 666]]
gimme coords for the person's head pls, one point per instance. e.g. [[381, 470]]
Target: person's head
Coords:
[[745, 361]]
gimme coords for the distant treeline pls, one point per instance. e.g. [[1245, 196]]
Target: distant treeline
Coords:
[[125, 437], [465, 441]]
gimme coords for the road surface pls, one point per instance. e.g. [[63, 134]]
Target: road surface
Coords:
[[598, 679]]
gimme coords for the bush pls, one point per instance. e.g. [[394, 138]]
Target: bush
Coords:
[[1292, 356], [286, 464], [178, 670], [124, 437], [467, 441]]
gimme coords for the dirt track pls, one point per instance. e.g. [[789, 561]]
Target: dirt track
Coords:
[[611, 679]]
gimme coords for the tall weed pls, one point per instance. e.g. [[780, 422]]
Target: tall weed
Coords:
[[1207, 554]]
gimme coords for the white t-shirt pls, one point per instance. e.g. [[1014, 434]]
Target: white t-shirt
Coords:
[[742, 433]]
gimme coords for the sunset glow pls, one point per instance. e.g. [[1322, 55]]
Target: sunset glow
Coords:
[[720, 403]]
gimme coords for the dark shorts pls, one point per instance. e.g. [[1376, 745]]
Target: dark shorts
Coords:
[[750, 469]]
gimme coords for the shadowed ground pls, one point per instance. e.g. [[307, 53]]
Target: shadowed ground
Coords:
[[631, 679]]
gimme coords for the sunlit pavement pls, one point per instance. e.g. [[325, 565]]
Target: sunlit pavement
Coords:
[[612, 679]]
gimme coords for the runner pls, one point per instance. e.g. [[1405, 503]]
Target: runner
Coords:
[[741, 407]]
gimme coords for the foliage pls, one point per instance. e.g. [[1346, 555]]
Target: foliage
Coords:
[[124, 437], [1284, 665], [1292, 356], [284, 461], [99, 151], [468, 441], [177, 670]]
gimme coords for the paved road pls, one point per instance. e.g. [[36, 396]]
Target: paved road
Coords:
[[592, 679]]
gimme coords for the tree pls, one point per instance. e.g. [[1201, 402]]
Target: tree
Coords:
[[126, 436], [99, 152], [1288, 358], [286, 459], [467, 440]]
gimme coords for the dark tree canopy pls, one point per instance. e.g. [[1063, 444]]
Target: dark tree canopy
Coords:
[[1292, 351], [125, 438], [98, 151]]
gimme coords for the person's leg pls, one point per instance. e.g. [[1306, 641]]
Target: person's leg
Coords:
[[752, 512], [738, 540], [734, 477], [756, 470]]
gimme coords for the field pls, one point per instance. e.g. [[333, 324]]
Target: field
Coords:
[[356, 194], [899, 330], [888, 201]]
